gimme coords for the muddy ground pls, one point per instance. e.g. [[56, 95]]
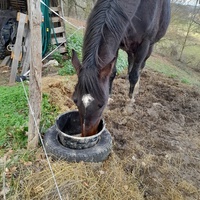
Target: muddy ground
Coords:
[[157, 137]]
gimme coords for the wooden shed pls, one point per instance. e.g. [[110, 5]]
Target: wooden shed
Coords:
[[53, 32], [18, 5]]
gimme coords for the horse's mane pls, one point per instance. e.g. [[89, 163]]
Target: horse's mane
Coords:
[[106, 13]]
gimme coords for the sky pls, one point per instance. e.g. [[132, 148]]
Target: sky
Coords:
[[190, 2], [185, 2]]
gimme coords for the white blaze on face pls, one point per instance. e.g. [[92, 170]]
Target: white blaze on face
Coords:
[[87, 100]]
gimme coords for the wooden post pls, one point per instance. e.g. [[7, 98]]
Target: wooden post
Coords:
[[25, 63], [35, 93], [17, 52]]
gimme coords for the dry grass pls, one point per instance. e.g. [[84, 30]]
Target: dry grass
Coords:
[[115, 179], [78, 181]]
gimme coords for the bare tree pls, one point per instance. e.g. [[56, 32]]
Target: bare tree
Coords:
[[78, 8], [189, 28]]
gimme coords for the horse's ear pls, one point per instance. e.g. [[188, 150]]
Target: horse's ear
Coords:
[[75, 61], [107, 70]]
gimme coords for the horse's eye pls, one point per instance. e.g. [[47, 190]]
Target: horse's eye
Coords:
[[100, 105], [75, 100]]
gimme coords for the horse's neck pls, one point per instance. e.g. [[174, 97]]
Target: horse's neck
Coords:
[[108, 48]]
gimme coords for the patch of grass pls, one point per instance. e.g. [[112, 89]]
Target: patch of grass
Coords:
[[13, 128], [191, 55], [163, 66], [75, 42], [14, 117], [67, 68], [185, 81], [172, 43], [122, 61]]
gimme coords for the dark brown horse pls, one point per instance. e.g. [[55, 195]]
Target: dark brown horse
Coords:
[[132, 25]]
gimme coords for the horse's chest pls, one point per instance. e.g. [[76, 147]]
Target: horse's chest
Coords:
[[128, 44]]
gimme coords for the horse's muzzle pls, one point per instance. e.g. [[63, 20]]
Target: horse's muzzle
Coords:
[[89, 130]]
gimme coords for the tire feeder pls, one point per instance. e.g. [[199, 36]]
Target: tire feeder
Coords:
[[62, 141]]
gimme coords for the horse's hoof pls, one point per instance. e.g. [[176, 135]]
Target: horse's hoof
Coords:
[[133, 100], [129, 109], [110, 100]]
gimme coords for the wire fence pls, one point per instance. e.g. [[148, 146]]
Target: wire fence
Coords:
[[30, 106]]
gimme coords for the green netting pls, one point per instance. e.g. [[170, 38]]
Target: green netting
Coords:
[[46, 27]]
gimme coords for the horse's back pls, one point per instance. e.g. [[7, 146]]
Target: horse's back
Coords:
[[149, 22]]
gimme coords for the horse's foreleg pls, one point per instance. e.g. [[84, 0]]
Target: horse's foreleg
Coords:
[[136, 88], [130, 61], [133, 79], [112, 77], [137, 85], [134, 75], [130, 68]]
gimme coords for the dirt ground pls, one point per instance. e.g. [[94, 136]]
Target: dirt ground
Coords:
[[160, 132], [157, 138]]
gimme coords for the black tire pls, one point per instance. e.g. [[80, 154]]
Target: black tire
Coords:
[[96, 153], [2, 51]]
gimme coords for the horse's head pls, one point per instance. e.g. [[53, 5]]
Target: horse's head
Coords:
[[91, 94]]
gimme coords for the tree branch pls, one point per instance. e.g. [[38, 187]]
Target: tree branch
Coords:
[[196, 22]]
